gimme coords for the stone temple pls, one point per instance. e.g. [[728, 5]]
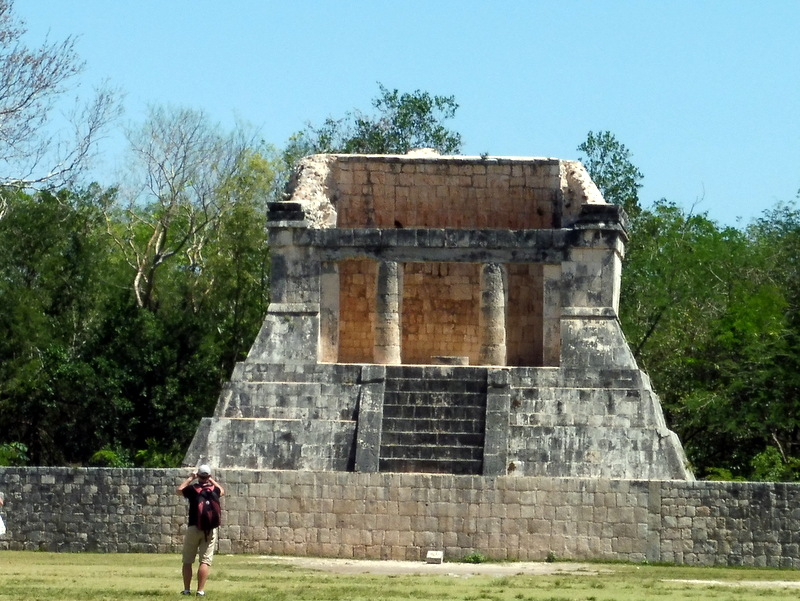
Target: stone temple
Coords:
[[443, 314]]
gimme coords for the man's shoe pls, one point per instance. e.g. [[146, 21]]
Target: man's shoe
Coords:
[[201, 593], [186, 592]]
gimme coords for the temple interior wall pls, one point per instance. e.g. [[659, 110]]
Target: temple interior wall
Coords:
[[524, 331], [357, 281], [446, 194], [440, 305], [440, 311]]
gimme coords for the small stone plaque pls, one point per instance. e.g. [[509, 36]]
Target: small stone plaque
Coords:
[[435, 557]]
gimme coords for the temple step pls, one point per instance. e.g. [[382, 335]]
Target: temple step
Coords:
[[432, 466], [433, 420]]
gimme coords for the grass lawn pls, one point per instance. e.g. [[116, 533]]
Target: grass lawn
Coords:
[[32, 576]]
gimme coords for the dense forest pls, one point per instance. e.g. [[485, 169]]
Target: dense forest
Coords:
[[124, 305]]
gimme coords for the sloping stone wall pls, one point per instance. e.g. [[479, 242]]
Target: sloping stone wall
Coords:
[[402, 516]]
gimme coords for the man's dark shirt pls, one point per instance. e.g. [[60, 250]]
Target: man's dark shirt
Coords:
[[190, 493]]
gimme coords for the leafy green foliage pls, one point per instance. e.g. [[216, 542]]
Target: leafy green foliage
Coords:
[[13, 453], [110, 458], [608, 161], [404, 121], [88, 373], [722, 474], [154, 456], [475, 557], [188, 176], [52, 291], [770, 466], [708, 313]]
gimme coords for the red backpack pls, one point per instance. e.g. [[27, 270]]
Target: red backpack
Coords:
[[208, 509]]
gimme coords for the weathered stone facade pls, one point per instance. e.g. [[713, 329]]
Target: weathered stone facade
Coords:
[[402, 516], [443, 315]]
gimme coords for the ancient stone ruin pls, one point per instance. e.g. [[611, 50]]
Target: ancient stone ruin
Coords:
[[443, 314]]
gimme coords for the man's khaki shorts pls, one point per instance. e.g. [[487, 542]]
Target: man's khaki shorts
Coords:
[[195, 543]]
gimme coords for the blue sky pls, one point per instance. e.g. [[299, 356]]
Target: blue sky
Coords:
[[703, 93]]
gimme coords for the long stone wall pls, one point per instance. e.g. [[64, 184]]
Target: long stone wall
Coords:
[[402, 516]]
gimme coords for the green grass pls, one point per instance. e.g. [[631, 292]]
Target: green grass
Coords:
[[29, 576]]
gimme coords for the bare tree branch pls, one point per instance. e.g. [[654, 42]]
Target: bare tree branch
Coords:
[[181, 164], [32, 81]]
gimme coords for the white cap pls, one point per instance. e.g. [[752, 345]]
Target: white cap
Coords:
[[204, 470]]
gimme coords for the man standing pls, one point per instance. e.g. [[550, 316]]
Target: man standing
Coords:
[[197, 541], [2, 524]]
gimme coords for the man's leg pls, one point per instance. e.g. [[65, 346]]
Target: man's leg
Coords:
[[190, 545], [206, 553], [202, 576], [187, 576]]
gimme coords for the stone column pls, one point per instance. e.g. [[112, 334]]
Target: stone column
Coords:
[[498, 407], [551, 315], [370, 418], [492, 320], [387, 313], [329, 312]]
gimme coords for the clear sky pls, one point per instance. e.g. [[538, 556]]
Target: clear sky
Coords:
[[704, 93]]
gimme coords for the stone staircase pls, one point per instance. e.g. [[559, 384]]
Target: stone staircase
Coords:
[[547, 421], [433, 420]]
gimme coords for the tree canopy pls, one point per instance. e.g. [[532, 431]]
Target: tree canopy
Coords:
[[32, 80], [402, 122], [125, 306], [609, 163]]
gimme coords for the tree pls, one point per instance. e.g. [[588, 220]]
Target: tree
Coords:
[[123, 313], [774, 393], [54, 284], [192, 235], [236, 274], [31, 81], [89, 376], [675, 271], [402, 122], [608, 161], [709, 314], [181, 170]]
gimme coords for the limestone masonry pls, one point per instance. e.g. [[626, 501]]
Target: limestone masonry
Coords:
[[441, 369], [403, 516], [451, 315]]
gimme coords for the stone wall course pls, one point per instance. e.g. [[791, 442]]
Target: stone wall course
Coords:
[[402, 516]]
